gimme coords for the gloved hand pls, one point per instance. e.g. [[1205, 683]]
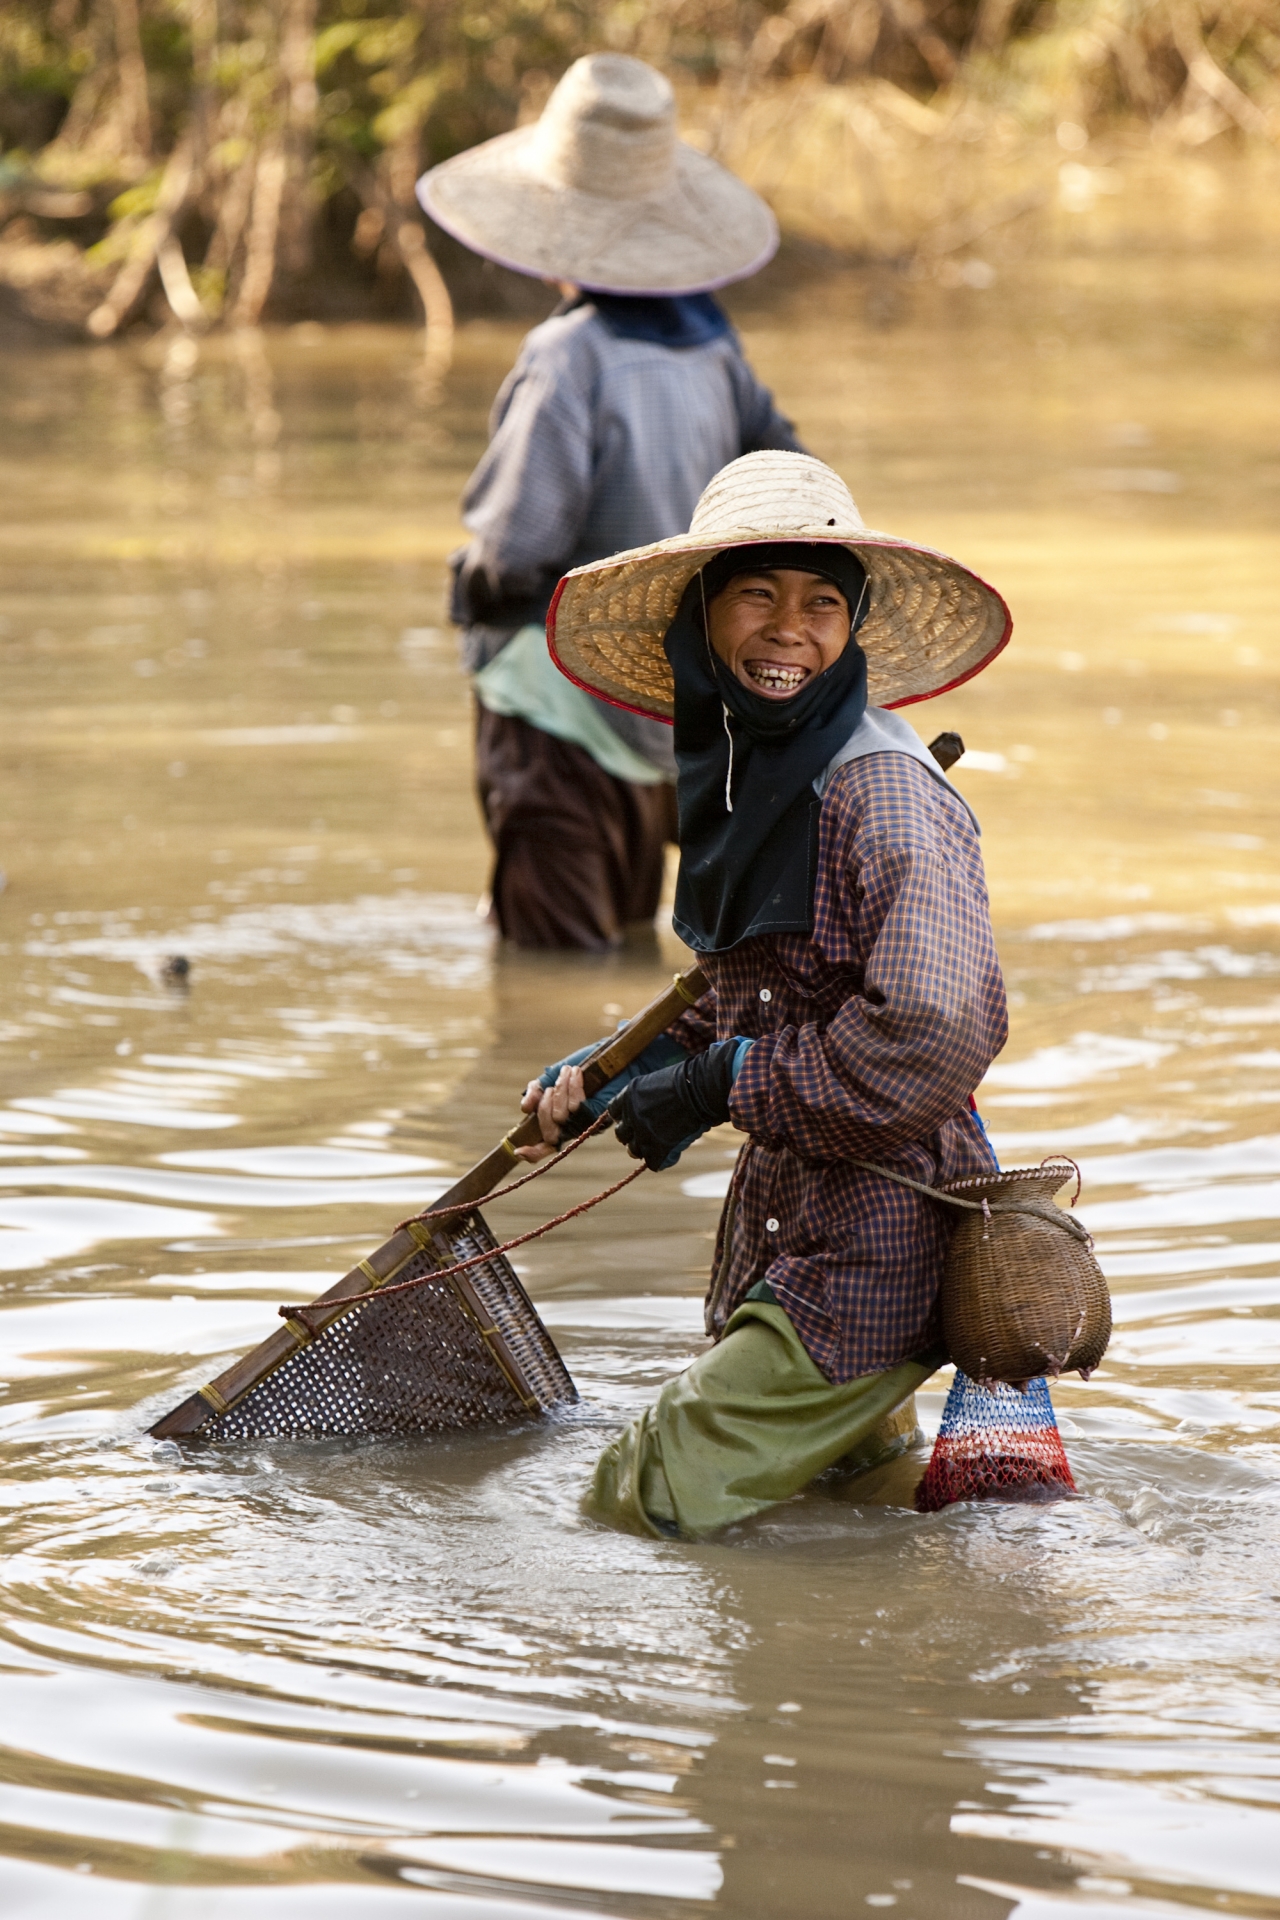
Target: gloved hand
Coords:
[[555, 1122], [659, 1053], [660, 1114]]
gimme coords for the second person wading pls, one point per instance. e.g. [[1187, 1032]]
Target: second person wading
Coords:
[[618, 411]]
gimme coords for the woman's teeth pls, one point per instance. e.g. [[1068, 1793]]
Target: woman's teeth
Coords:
[[774, 677]]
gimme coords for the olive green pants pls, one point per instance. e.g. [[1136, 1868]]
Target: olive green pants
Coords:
[[748, 1424]]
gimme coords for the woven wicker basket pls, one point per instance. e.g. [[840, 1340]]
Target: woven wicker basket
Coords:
[[1022, 1294]]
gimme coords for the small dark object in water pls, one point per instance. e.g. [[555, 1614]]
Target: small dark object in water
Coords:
[[175, 970], [946, 749]]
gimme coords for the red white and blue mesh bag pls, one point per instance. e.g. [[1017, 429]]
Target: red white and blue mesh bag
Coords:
[[995, 1443]]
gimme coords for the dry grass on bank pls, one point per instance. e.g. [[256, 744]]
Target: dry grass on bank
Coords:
[[874, 174], [212, 162]]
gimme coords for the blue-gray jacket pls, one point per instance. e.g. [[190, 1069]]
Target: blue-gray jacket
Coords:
[[597, 443]]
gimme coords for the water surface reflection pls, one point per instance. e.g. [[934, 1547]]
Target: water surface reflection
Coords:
[[357, 1678]]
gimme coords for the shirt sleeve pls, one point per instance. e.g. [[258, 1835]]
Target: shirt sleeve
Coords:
[[904, 1052], [695, 1029], [528, 499], [763, 427]]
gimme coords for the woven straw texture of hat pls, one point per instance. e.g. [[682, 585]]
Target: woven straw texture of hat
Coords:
[[930, 624], [1020, 1295], [601, 192]]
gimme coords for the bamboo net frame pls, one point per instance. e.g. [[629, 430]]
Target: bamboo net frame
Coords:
[[466, 1350]]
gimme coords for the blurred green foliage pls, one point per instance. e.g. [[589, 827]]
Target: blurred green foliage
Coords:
[[451, 72], [341, 103]]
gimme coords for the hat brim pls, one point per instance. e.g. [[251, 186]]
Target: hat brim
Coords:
[[930, 626], [703, 230]]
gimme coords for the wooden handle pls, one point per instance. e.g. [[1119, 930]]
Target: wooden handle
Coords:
[[600, 1066]]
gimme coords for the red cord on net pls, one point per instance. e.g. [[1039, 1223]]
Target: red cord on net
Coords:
[[486, 1253], [558, 1158]]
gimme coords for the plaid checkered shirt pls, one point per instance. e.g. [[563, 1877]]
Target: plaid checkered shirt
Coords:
[[871, 1035]]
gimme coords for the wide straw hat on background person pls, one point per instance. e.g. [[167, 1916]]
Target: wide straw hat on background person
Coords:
[[601, 192], [931, 623]]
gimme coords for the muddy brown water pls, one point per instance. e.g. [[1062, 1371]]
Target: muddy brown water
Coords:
[[358, 1679]]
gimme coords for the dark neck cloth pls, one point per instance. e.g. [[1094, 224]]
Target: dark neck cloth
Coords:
[[750, 868], [683, 320]]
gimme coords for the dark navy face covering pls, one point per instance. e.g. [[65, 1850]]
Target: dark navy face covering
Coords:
[[746, 764]]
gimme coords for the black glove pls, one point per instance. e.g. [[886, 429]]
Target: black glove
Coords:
[[662, 1113]]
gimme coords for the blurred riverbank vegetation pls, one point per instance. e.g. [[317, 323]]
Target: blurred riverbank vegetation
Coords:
[[222, 161]]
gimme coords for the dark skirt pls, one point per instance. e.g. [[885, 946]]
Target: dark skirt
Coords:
[[578, 853]]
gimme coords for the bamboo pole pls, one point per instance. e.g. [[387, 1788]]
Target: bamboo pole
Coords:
[[602, 1065]]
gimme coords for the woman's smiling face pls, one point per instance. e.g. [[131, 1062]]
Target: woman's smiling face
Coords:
[[777, 630]]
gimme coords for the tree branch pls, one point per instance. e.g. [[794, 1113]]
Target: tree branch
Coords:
[[264, 226], [155, 231], [1209, 77]]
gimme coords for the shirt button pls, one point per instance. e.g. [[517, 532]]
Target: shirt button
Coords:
[[771, 1225], [765, 995]]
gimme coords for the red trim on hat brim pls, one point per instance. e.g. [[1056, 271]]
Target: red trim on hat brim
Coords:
[[645, 713], [908, 700], [914, 699]]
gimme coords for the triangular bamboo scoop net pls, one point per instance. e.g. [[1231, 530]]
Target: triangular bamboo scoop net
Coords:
[[433, 1330]]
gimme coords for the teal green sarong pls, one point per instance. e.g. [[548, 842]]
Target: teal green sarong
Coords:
[[523, 680], [748, 1424]]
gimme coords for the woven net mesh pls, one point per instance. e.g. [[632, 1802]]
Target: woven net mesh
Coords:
[[995, 1444], [417, 1362]]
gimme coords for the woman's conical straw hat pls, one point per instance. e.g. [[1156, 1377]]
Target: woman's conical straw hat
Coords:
[[601, 192], [931, 623]]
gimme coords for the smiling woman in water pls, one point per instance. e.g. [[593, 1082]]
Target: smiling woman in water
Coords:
[[832, 886], [777, 629]]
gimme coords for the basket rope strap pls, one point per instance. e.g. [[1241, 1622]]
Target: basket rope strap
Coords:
[[1039, 1209]]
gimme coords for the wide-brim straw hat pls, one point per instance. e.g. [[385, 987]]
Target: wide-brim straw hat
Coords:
[[601, 192], [931, 623]]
